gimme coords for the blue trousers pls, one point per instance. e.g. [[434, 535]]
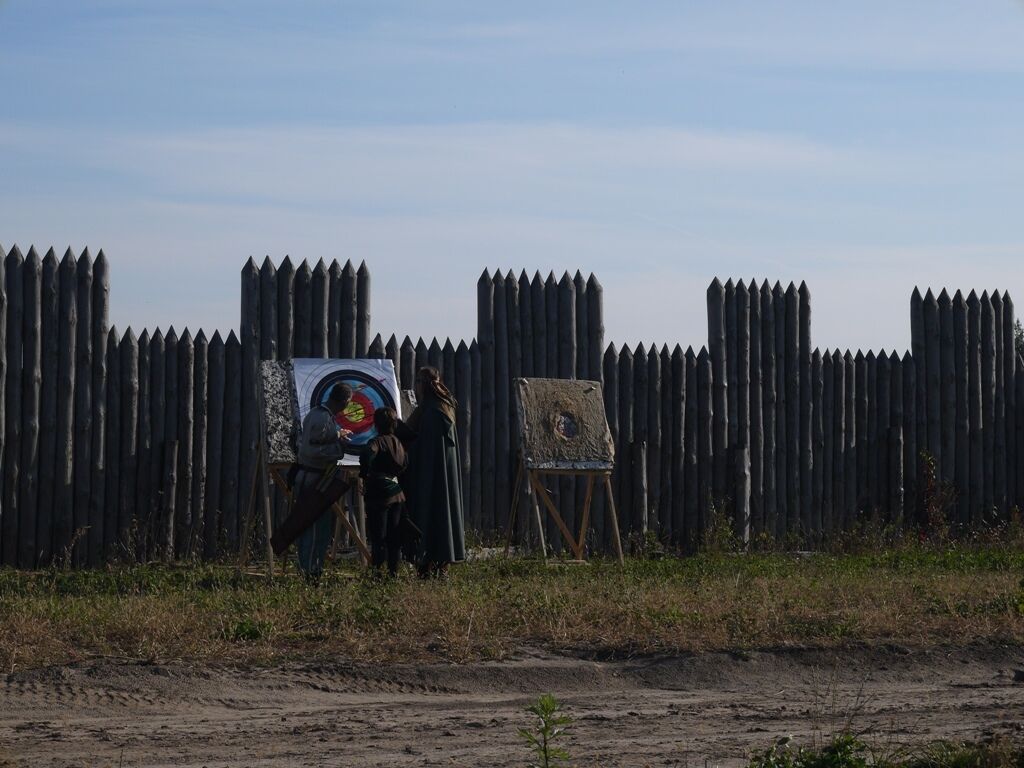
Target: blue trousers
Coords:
[[313, 544]]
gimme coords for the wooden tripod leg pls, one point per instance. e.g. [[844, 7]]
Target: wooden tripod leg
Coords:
[[250, 514], [342, 517], [339, 512], [543, 493], [515, 508], [586, 515], [615, 517], [268, 524], [539, 520]]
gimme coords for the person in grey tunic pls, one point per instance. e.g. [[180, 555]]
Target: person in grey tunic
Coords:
[[317, 484]]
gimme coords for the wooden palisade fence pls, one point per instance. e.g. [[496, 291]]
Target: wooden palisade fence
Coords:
[[141, 446]]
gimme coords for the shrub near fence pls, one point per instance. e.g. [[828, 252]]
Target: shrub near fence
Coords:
[[123, 446]]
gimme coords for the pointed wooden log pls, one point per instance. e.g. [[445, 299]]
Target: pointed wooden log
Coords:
[[824, 421], [851, 445], [728, 490], [515, 345], [670, 391], [200, 434], [526, 325], [551, 311], [502, 404], [883, 413], [186, 427], [962, 459], [5, 518], [215, 396], [654, 443], [839, 421], [473, 511], [9, 517], [691, 508], [248, 339], [540, 318], [919, 349], [909, 365], [624, 449], [768, 411], [863, 438], [286, 310], [610, 364], [461, 377], [756, 416], [639, 519], [567, 329], [947, 387], [874, 447], [143, 495], [717, 351], [641, 431], [806, 449], [50, 361], [705, 444], [334, 310], [794, 412], [100, 330], [231, 487], [933, 395], [742, 479], [303, 310], [988, 396], [999, 412], [595, 327], [158, 528], [124, 540], [318, 310], [362, 309], [974, 408], [32, 377], [782, 387], [423, 355], [582, 363], [117, 408], [269, 327], [896, 440], [376, 350], [83, 407], [1009, 384], [392, 351], [349, 303]]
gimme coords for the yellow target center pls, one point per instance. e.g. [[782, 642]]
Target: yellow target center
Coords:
[[354, 413]]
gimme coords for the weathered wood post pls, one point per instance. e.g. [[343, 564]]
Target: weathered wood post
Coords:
[[782, 386], [670, 391], [515, 371], [582, 364], [435, 356], [705, 444], [303, 310], [100, 329], [742, 458], [362, 309], [624, 450], [31, 366], [641, 396], [349, 302], [851, 442], [158, 420], [910, 488], [129, 371], [962, 460], [117, 408], [610, 364], [334, 311], [814, 526], [677, 404], [230, 485], [875, 440], [172, 433], [200, 434], [538, 324], [863, 438], [392, 352], [49, 358], [806, 410], [595, 327], [838, 442], [407, 355], [462, 374], [248, 340], [824, 419], [525, 326], [267, 308], [476, 440], [486, 339], [947, 386], [567, 370], [376, 350], [768, 410], [285, 310], [318, 310], [422, 354], [720, 397], [3, 395], [731, 389], [691, 492], [216, 397], [654, 443], [883, 395], [502, 404], [932, 373], [919, 349], [988, 396], [9, 518], [1009, 354], [896, 439], [639, 466], [551, 320], [794, 405], [64, 497], [143, 501], [756, 417], [974, 407], [999, 411], [83, 407], [186, 427]]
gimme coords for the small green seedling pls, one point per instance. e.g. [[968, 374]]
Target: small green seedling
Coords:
[[551, 725]]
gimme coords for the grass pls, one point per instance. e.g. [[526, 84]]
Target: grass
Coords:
[[845, 750], [913, 595]]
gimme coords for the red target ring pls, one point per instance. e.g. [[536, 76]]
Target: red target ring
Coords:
[[358, 416]]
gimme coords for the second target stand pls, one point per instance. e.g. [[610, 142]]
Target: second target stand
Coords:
[[564, 431]]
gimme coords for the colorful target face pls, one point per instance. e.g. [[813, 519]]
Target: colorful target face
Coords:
[[373, 386]]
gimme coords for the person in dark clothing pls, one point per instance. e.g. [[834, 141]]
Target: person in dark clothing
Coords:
[[382, 461], [317, 484], [434, 476]]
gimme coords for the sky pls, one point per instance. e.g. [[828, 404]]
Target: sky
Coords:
[[864, 147]]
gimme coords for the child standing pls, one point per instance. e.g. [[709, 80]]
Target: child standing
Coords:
[[381, 461]]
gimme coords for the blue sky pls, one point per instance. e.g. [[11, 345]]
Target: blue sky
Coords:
[[862, 146]]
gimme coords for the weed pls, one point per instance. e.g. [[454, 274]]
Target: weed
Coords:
[[550, 726]]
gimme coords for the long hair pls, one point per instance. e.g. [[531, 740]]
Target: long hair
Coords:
[[434, 387]]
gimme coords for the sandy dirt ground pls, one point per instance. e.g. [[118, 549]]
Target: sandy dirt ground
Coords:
[[711, 709]]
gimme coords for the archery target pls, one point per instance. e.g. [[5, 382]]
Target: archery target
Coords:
[[373, 384]]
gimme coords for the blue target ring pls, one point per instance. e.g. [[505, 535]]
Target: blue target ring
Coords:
[[368, 396]]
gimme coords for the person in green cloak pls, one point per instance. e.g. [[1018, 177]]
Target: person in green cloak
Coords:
[[434, 478]]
